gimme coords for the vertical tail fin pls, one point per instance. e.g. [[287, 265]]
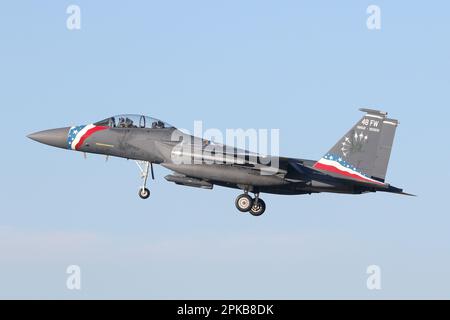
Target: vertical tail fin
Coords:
[[384, 149], [363, 153]]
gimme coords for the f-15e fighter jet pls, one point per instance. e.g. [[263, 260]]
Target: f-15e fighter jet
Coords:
[[356, 164]]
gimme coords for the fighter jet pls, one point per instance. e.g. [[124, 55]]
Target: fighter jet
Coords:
[[356, 164]]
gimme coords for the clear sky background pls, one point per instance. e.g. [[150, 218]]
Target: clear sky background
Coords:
[[304, 67]]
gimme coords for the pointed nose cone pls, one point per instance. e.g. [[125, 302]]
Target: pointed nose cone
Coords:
[[52, 137]]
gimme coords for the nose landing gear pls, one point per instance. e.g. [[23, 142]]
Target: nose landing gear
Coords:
[[144, 193], [256, 206], [145, 167]]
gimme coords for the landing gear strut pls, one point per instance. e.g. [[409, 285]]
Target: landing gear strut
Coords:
[[145, 167], [256, 206]]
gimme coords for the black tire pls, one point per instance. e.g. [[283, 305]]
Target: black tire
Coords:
[[258, 208], [244, 202], [144, 193]]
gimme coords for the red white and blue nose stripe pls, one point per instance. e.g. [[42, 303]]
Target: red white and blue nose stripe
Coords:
[[77, 135]]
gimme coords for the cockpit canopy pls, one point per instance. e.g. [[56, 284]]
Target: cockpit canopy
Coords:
[[133, 121]]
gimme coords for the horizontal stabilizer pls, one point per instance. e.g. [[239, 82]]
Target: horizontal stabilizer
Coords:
[[408, 194], [396, 190]]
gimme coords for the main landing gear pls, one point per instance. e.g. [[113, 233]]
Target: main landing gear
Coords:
[[145, 167], [256, 206]]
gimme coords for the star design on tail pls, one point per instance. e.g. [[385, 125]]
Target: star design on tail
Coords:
[[353, 143]]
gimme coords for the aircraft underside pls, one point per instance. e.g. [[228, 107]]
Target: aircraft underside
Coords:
[[204, 176]]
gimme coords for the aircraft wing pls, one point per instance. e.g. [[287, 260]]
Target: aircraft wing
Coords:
[[209, 153]]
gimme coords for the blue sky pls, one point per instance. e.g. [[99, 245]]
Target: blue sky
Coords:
[[301, 67]]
